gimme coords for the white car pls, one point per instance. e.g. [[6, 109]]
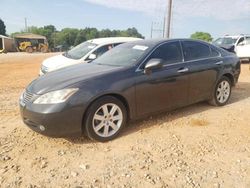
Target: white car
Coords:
[[243, 49], [83, 53], [240, 44]]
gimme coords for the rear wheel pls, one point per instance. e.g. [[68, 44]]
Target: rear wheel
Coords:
[[222, 92], [105, 119], [43, 49], [29, 49]]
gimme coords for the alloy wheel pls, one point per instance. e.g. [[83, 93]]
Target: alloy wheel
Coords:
[[107, 120], [223, 91]]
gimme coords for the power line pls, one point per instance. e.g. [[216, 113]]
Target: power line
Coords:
[[157, 29], [163, 27]]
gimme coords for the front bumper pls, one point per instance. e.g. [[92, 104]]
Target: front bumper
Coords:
[[53, 122], [41, 73]]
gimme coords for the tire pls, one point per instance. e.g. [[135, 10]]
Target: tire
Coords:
[[101, 126], [3, 51], [29, 50], [222, 92], [44, 50]]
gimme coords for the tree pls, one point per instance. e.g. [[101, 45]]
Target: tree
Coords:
[[91, 33], [2, 27], [202, 36], [81, 37], [132, 32], [106, 33], [67, 36], [47, 31], [71, 37]]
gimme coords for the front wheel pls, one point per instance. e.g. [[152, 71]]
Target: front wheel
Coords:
[[29, 49], [222, 92], [105, 119]]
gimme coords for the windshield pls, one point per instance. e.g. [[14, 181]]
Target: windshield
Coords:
[[225, 41], [123, 55], [80, 51]]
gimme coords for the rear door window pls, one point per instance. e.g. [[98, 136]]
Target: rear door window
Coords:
[[195, 50], [169, 52]]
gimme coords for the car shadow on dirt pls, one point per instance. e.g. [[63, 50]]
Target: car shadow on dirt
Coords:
[[239, 93]]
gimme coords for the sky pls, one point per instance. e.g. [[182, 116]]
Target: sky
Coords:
[[218, 17]]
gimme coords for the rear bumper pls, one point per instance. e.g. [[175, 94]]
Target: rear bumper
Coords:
[[65, 123]]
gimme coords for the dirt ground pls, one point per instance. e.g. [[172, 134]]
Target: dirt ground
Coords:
[[196, 146]]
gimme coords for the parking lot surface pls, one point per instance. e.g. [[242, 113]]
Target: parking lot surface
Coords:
[[196, 146]]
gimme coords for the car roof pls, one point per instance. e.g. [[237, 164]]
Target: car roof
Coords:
[[154, 42], [232, 36], [235, 36], [101, 41]]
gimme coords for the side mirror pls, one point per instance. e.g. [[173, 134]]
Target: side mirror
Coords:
[[92, 57], [153, 64]]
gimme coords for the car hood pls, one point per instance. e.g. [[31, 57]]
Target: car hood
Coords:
[[68, 77], [58, 61]]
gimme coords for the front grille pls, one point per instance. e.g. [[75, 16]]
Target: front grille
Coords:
[[27, 97]]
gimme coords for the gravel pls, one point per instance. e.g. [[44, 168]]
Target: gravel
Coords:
[[196, 146]]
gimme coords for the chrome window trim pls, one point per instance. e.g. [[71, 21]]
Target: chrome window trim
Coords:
[[139, 69], [205, 58]]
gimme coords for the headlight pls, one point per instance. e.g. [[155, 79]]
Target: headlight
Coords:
[[44, 69], [56, 97], [21, 96]]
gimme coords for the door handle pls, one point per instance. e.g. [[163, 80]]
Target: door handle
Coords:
[[219, 63], [183, 70]]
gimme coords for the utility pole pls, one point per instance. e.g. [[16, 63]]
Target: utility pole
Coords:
[[26, 25], [168, 18]]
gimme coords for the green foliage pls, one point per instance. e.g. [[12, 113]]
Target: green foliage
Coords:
[[202, 36], [2, 27], [47, 31], [72, 37], [81, 36]]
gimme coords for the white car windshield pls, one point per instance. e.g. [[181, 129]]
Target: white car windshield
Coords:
[[225, 41], [80, 51]]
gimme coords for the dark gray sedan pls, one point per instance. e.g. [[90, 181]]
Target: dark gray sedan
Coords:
[[131, 81]]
